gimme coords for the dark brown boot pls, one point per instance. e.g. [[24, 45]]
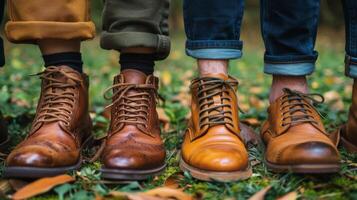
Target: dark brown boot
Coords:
[[60, 126], [348, 132], [134, 149]]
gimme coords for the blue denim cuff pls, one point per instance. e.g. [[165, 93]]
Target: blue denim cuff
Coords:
[[351, 66], [289, 69], [215, 53], [214, 44]]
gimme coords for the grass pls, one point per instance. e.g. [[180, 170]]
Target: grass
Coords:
[[19, 95]]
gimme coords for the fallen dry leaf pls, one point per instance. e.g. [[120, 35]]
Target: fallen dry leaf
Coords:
[[161, 193], [251, 121], [289, 196], [261, 194], [248, 134], [5, 187], [173, 180], [41, 186], [164, 119], [167, 193]]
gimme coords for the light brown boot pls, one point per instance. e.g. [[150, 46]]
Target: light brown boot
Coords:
[[61, 125], [134, 149], [295, 138], [213, 148]]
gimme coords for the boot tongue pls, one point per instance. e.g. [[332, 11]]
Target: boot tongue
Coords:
[[133, 76]]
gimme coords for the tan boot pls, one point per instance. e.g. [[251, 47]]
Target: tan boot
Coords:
[[295, 138], [134, 149], [213, 148], [61, 125]]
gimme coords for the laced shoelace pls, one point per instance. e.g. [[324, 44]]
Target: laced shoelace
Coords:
[[300, 110], [130, 108], [211, 114], [58, 96]]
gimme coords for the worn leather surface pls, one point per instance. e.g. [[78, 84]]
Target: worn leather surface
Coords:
[[289, 142], [133, 141], [209, 145], [61, 123], [351, 128]]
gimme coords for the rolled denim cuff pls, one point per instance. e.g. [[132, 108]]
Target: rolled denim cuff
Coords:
[[290, 65], [351, 66], [289, 69], [214, 53], [214, 49]]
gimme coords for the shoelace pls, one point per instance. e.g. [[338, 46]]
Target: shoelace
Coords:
[[58, 96], [216, 114], [298, 103], [130, 108]]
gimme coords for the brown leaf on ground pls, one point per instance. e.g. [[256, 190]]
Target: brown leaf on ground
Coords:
[[161, 193], [289, 196], [168, 193], [173, 180], [5, 187], [261, 194], [164, 119], [248, 134], [41, 186], [251, 121]]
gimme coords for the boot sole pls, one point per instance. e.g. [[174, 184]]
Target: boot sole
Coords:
[[38, 172], [351, 148], [206, 175], [130, 175], [304, 168]]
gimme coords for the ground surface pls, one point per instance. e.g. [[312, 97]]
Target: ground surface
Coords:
[[19, 94]]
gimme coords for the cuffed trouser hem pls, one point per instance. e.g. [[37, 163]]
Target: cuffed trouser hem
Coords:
[[31, 31], [351, 66], [290, 65], [214, 49], [224, 54], [289, 69], [119, 41]]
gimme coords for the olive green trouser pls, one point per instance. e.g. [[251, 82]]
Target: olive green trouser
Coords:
[[126, 23]]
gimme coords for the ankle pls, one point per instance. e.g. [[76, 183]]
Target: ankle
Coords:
[[298, 83], [206, 67]]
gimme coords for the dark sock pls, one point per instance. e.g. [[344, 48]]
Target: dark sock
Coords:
[[141, 62], [70, 59]]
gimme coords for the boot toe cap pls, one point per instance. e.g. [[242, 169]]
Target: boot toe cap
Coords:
[[220, 159], [310, 153], [29, 159]]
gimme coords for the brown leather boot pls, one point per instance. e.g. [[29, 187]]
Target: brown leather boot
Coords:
[[213, 148], [61, 125], [3, 133], [134, 149], [295, 138], [348, 132]]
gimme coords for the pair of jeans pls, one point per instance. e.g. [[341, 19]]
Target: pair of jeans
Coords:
[[288, 29], [126, 24]]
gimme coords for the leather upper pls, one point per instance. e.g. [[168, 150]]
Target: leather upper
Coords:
[[351, 128], [133, 140], [294, 133], [61, 123], [212, 140]]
